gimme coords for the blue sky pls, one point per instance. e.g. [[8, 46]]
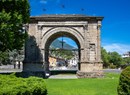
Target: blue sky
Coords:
[[115, 31]]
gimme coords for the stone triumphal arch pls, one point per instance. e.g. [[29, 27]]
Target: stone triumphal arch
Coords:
[[84, 30]]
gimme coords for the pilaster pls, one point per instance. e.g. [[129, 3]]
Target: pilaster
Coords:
[[98, 42]]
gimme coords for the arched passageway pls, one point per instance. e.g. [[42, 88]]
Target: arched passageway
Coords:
[[54, 33], [84, 30], [64, 55], [62, 49]]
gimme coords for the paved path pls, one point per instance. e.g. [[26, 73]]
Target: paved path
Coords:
[[112, 70], [10, 71], [58, 76], [73, 76], [63, 76]]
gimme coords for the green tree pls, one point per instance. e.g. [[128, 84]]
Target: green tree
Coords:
[[3, 57], [105, 58], [112, 59], [115, 59], [127, 60], [13, 14], [65, 54]]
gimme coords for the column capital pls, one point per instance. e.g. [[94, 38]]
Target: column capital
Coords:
[[40, 27], [85, 27], [99, 25]]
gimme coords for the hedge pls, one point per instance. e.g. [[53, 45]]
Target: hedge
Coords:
[[124, 83], [11, 85]]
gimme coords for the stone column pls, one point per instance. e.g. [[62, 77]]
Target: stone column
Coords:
[[84, 50], [46, 62], [90, 68], [98, 42], [86, 44], [40, 27], [25, 47]]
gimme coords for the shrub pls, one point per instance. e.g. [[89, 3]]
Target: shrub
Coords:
[[124, 83], [11, 85], [112, 66]]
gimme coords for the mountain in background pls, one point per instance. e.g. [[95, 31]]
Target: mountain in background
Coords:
[[58, 44]]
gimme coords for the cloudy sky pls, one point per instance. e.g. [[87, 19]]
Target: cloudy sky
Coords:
[[115, 35]]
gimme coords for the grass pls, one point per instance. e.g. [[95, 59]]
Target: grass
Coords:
[[98, 86]]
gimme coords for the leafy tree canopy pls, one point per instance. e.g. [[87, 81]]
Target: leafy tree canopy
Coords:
[[115, 58], [105, 58], [112, 59], [65, 54], [13, 14]]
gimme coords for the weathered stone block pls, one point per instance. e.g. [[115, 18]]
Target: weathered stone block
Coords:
[[97, 74]]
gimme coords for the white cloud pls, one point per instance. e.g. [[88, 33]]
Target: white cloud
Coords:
[[120, 48]]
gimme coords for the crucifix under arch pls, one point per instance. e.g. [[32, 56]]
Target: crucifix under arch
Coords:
[[62, 43]]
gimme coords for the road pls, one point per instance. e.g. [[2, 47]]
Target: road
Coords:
[[112, 70]]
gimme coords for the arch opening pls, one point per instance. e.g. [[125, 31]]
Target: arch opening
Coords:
[[61, 62]]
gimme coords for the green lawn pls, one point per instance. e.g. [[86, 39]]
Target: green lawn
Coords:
[[100, 86]]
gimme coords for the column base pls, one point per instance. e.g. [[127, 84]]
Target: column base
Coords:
[[90, 70], [97, 74], [33, 67]]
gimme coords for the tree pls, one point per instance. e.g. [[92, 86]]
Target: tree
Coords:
[[105, 58], [3, 57], [13, 14], [112, 59], [127, 60], [65, 54], [115, 59]]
